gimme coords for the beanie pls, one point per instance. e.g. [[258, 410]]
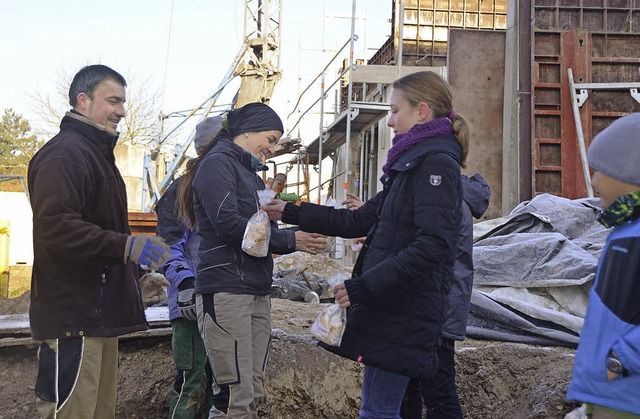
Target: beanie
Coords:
[[206, 130], [253, 117], [616, 150]]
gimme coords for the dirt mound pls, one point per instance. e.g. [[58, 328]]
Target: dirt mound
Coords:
[[496, 379], [15, 305]]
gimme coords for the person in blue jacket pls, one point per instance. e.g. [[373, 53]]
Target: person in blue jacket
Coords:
[[218, 195], [192, 395], [396, 300], [606, 371]]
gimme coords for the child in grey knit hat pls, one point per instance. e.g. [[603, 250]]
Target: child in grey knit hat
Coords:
[[606, 371], [614, 155]]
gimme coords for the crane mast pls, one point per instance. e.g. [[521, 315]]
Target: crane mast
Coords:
[[258, 66]]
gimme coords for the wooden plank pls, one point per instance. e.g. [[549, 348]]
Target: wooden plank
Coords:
[[546, 109], [387, 74], [605, 48], [143, 222], [525, 97], [549, 140], [511, 137], [576, 54], [621, 60], [476, 75]]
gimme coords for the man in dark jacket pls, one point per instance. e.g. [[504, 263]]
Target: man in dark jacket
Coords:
[[84, 291]]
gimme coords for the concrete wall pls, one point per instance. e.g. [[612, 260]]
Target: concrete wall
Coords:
[[15, 207]]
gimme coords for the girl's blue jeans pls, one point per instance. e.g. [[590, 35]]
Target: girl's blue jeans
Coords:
[[382, 394]]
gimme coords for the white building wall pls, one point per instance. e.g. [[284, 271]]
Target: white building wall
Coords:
[[15, 208], [130, 162]]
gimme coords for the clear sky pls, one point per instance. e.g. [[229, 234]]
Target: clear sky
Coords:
[[41, 40]]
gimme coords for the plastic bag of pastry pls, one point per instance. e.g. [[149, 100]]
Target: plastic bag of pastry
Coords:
[[330, 323], [257, 234]]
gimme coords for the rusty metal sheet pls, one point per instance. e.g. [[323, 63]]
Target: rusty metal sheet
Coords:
[[598, 40], [576, 54]]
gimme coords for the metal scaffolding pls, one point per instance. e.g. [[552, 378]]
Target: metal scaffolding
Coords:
[[257, 63], [354, 118]]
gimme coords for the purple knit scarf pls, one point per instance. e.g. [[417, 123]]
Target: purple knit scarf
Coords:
[[417, 134]]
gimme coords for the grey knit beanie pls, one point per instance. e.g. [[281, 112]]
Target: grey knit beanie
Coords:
[[616, 150], [206, 130]]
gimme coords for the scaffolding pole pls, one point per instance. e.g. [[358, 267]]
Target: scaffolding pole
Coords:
[[321, 130], [349, 94], [579, 94]]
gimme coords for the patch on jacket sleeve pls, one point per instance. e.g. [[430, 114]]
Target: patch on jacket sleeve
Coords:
[[435, 180]]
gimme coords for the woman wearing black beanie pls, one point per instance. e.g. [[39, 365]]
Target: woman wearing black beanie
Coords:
[[218, 196]]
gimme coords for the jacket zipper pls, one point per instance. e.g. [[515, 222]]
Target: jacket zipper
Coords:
[[103, 285], [240, 261]]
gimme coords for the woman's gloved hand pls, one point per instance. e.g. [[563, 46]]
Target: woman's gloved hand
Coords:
[[187, 300]]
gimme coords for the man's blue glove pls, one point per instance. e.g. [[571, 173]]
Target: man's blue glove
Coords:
[[187, 300], [150, 252]]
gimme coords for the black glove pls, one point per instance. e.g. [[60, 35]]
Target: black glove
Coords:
[[187, 300], [150, 252]]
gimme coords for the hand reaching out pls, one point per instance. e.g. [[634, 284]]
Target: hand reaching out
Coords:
[[310, 242], [274, 209], [353, 201]]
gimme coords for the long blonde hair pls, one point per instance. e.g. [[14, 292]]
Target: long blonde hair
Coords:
[[430, 88]]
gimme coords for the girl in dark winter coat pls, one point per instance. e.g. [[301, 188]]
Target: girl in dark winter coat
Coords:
[[396, 299], [439, 393], [218, 195]]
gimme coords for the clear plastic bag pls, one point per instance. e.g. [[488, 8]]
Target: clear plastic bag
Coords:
[[329, 245], [329, 326], [257, 234]]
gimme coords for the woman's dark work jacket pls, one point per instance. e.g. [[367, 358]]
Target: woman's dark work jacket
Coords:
[[400, 283], [225, 197]]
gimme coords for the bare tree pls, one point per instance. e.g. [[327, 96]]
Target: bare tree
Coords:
[[140, 127]]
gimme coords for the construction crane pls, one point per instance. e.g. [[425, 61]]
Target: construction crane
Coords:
[[257, 64]]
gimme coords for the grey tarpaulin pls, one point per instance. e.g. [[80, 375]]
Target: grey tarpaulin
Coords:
[[533, 271]]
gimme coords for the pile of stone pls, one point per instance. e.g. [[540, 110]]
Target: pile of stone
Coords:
[[303, 277]]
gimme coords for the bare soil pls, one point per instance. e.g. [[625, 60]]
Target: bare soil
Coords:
[[495, 379]]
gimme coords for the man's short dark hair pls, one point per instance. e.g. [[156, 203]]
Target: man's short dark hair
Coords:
[[88, 78]]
